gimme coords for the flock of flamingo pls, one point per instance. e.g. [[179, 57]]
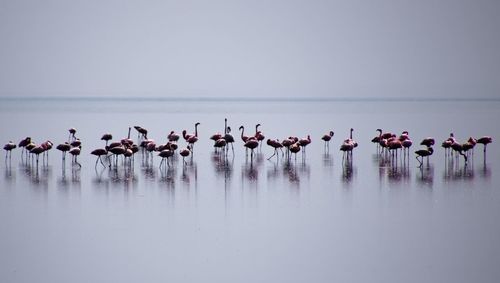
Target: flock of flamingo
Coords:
[[387, 143]]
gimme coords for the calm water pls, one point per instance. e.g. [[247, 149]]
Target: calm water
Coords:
[[230, 220]]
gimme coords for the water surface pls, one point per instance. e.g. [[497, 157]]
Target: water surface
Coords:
[[231, 220]]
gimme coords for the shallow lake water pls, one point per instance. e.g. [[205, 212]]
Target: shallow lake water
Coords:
[[314, 219]]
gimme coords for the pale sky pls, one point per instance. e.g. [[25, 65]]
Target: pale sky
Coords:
[[429, 48]]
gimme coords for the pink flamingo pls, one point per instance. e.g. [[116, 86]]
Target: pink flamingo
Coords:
[[327, 138], [8, 147], [72, 132], [185, 153], [295, 148], [304, 142], [99, 152], [191, 139], [173, 137], [485, 141], [75, 151], [107, 137], [429, 142], [423, 153], [275, 144], [258, 135], [23, 143], [251, 144]]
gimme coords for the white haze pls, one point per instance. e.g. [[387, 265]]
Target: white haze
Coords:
[[266, 48]]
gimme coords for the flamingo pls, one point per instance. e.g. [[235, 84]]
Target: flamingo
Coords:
[[252, 144], [167, 153], [76, 143], [304, 142], [37, 150], [99, 152], [220, 143], [106, 137], [47, 145], [173, 137], [191, 139], [229, 138], [276, 145], [348, 145], [141, 131], [377, 139], [8, 147], [116, 151], [258, 135], [394, 144], [327, 138], [64, 147], [406, 142], [75, 151], [23, 143], [346, 148], [295, 148], [72, 132], [429, 142], [485, 141], [446, 145], [185, 153], [423, 153], [288, 143], [127, 141]]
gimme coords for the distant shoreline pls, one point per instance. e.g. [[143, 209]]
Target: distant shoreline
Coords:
[[242, 99]]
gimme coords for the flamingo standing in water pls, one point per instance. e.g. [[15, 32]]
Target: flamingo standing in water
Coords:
[[107, 137], [173, 137], [37, 150], [377, 139], [75, 151], [8, 147], [304, 142], [348, 145], [99, 152], [229, 139], [64, 147], [327, 138], [258, 135], [275, 144], [167, 153], [72, 137], [295, 148], [23, 143], [423, 153], [251, 144], [191, 139], [185, 153], [141, 132], [485, 141]]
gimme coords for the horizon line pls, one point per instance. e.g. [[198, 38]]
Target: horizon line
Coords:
[[246, 99]]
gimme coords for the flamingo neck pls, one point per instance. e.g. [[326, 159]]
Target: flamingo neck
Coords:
[[196, 130]]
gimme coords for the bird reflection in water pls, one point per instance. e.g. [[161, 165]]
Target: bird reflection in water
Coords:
[[327, 160], [425, 176], [122, 176], [99, 181], [38, 175], [454, 171], [190, 172], [8, 172], [348, 172], [167, 177]]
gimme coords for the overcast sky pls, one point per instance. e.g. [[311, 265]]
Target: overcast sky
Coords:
[[435, 48]]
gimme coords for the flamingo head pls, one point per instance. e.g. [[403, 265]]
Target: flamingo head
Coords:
[[331, 133], [241, 127]]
